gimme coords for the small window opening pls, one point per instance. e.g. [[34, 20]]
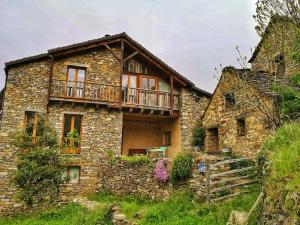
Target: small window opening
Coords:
[[241, 127], [229, 100]]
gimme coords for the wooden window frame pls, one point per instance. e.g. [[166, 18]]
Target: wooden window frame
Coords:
[[148, 77], [75, 81], [35, 124], [68, 173], [77, 150]]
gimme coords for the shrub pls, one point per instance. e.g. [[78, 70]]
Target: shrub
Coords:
[[182, 167], [136, 160], [161, 171], [38, 170], [198, 136]]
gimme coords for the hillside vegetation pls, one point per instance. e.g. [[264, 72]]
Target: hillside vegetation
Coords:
[[282, 176]]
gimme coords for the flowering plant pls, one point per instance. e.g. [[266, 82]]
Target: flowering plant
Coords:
[[161, 171]]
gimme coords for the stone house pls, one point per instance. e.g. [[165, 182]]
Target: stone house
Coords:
[[110, 93], [240, 113]]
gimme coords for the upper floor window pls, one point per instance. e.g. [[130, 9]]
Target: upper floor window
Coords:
[[72, 133], [241, 127], [75, 82], [229, 100]]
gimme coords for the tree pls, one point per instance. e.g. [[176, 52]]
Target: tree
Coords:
[[38, 172], [266, 9]]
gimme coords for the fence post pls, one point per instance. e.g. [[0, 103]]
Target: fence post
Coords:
[[207, 175]]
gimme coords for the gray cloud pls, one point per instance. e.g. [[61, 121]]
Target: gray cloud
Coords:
[[192, 36]]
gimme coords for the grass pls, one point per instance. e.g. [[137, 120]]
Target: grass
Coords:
[[70, 214], [180, 209]]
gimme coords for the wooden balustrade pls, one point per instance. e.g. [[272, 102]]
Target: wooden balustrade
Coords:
[[97, 92]]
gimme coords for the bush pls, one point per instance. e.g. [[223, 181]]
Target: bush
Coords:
[[161, 171], [38, 172], [136, 160], [182, 167], [198, 136]]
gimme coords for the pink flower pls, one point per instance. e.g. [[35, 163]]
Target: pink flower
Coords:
[[161, 172]]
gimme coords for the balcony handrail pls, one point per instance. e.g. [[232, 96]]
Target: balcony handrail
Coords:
[[86, 82]]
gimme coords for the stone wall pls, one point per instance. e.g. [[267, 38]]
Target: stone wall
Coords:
[[279, 39], [225, 120], [122, 178], [193, 106]]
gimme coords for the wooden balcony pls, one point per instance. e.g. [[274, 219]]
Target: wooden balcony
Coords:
[[107, 94]]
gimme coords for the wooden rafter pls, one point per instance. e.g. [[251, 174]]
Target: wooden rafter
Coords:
[[130, 56], [113, 53], [153, 62]]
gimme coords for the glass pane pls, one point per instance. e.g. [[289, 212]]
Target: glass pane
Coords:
[[71, 74], [133, 81], [152, 84], [77, 123], [144, 83], [163, 86], [125, 81], [74, 174], [64, 173], [81, 75], [67, 126]]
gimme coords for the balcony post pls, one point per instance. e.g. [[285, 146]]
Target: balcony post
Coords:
[[121, 72], [50, 81], [172, 94]]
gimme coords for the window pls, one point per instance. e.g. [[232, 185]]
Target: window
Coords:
[[72, 133], [129, 85], [280, 64], [168, 138], [229, 100], [32, 123], [71, 174], [75, 82], [241, 127], [148, 83]]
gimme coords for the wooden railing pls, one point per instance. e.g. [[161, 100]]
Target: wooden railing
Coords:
[[91, 91], [83, 90]]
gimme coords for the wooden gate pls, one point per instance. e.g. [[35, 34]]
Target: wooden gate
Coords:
[[235, 174]]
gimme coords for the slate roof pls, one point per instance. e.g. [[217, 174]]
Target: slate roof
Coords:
[[103, 40]]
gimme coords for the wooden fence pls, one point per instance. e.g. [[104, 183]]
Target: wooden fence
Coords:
[[232, 178]]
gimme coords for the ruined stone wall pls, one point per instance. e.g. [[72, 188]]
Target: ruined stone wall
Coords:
[[279, 39], [226, 121], [122, 178], [193, 106]]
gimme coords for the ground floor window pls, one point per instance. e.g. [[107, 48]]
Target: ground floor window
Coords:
[[241, 127], [71, 174], [32, 125], [72, 133]]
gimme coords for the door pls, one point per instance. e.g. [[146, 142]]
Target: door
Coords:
[[75, 82], [213, 141], [148, 93], [129, 89]]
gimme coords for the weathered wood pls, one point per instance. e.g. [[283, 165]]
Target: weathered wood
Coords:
[[231, 172], [230, 179], [121, 72], [113, 53], [256, 204], [229, 196], [130, 56], [50, 81], [232, 161], [232, 186], [207, 176], [172, 94]]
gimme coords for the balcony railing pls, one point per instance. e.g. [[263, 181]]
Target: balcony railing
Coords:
[[96, 92]]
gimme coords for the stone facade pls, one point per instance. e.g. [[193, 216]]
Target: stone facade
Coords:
[[192, 109], [102, 127], [279, 39], [222, 124]]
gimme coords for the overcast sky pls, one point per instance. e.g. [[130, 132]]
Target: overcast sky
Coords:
[[192, 36]]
